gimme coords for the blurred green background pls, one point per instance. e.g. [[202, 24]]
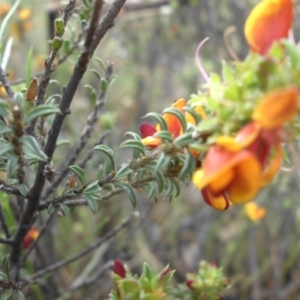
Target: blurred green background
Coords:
[[152, 46]]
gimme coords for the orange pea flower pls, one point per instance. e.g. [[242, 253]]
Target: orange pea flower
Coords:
[[269, 21], [238, 167], [276, 108], [30, 237], [234, 174], [173, 124], [255, 212]]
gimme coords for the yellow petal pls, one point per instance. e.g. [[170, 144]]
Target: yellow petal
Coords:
[[197, 178], [255, 212], [276, 108], [246, 183], [229, 143], [151, 141]]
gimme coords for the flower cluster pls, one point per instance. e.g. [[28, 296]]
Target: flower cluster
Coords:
[[232, 164]]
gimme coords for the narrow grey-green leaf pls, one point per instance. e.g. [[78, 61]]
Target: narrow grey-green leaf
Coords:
[[4, 108], [3, 276], [12, 166], [96, 73], [107, 151], [41, 111], [32, 149], [179, 115], [165, 135], [188, 165], [123, 171], [4, 128], [51, 209], [92, 203], [129, 191], [64, 208], [176, 185], [196, 116], [153, 190], [80, 173], [23, 189], [5, 263], [92, 188], [160, 120], [5, 148], [134, 144], [184, 139], [159, 178], [134, 135], [19, 295]]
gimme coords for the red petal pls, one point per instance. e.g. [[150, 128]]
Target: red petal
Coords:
[[147, 130], [119, 268]]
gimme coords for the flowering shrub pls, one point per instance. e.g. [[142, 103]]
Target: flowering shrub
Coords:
[[227, 140]]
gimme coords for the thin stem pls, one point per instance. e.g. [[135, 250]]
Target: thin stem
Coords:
[[3, 223], [5, 81], [84, 252]]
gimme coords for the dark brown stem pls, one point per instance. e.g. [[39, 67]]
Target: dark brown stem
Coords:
[[3, 223]]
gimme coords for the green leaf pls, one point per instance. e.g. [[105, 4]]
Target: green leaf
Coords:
[[158, 176], [5, 147], [4, 108], [12, 166], [92, 188], [5, 263], [184, 139], [107, 151], [64, 208], [80, 173], [122, 172], [62, 142], [23, 189], [32, 150], [165, 135], [3, 276], [100, 62], [91, 202], [188, 165], [135, 145], [176, 185], [196, 116], [147, 271], [6, 294], [134, 135], [129, 191], [51, 209], [41, 111], [96, 73], [178, 114], [4, 128], [160, 120], [19, 295], [162, 162], [153, 190]]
